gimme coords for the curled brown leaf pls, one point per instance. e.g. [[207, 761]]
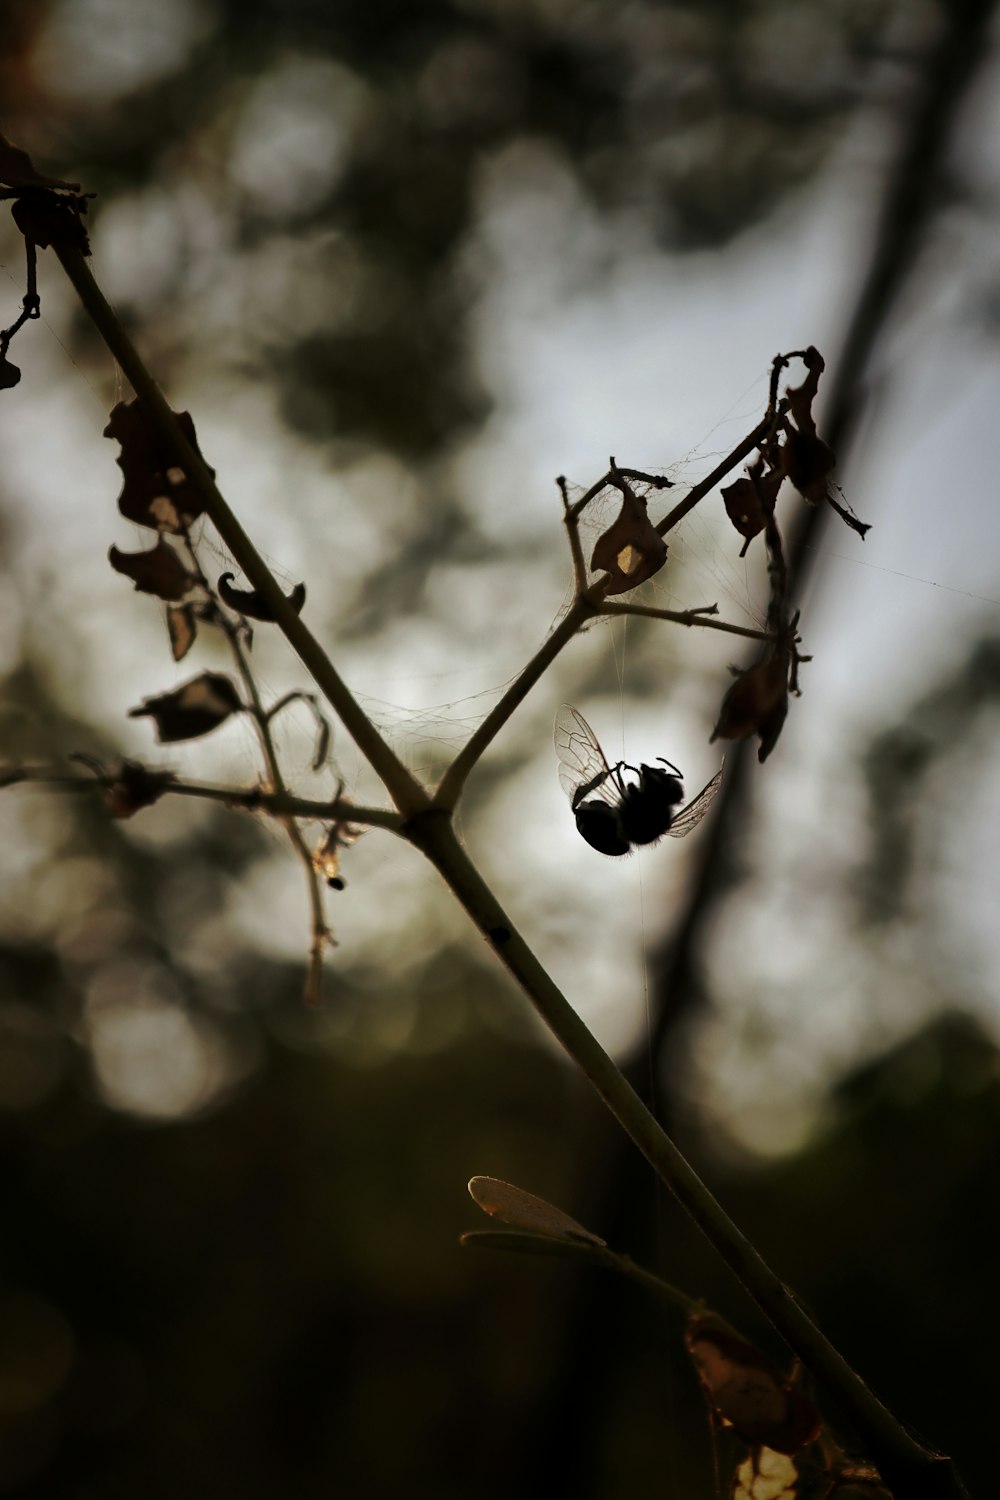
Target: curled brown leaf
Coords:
[[182, 626], [156, 493], [631, 550], [195, 708], [750, 501], [157, 571], [801, 397], [756, 703], [808, 462], [49, 218], [748, 1391], [253, 605]]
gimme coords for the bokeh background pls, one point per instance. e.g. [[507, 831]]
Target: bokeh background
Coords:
[[406, 263]]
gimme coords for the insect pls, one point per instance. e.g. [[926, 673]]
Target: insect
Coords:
[[614, 814]]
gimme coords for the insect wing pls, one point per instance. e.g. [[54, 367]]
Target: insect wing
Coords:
[[583, 770], [689, 817]]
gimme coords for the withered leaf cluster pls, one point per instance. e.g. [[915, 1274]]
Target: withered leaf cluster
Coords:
[[792, 450], [47, 211], [157, 493]]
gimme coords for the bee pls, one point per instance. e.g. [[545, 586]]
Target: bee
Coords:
[[614, 814]]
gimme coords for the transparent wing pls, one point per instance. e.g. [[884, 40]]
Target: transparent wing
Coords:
[[582, 766], [689, 817]]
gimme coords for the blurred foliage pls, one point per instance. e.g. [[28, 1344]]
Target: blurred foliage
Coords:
[[901, 762], [369, 133], [262, 1289], [231, 1261]]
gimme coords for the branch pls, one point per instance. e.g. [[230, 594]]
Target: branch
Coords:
[[583, 609], [688, 617], [704, 486], [237, 798]]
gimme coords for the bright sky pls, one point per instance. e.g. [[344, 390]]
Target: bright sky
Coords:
[[662, 363]]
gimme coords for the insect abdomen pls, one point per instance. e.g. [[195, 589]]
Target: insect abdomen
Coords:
[[598, 824]]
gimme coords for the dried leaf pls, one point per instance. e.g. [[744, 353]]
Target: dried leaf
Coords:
[[631, 549], [250, 603], [45, 218], [750, 501], [756, 703], [512, 1205], [157, 571], [18, 171], [9, 375], [748, 1391], [801, 397], [156, 492], [808, 462], [766, 1475], [195, 708], [182, 624]]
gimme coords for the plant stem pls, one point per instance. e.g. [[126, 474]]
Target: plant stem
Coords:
[[238, 798], [910, 1469], [407, 793], [453, 780], [687, 617], [704, 486]]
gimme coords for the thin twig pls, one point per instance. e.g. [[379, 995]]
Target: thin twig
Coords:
[[584, 608], [571, 520], [320, 936], [687, 617], [706, 485], [237, 798]]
